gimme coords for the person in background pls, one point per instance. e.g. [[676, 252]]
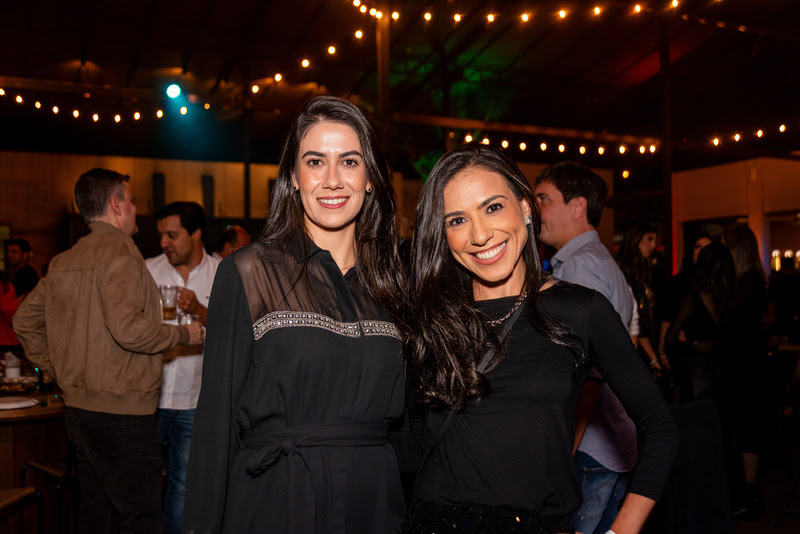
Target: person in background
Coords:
[[745, 382], [500, 354], [22, 274], [100, 308], [231, 239], [706, 316], [679, 286], [303, 369], [634, 259], [8, 307], [571, 198], [184, 263]]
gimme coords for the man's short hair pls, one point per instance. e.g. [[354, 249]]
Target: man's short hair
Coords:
[[229, 235], [93, 190], [23, 244], [574, 180], [191, 215]]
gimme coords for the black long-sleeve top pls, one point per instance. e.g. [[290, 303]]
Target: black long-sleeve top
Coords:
[[302, 373], [513, 449]]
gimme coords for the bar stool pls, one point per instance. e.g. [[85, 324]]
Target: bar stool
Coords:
[[65, 478], [19, 497]]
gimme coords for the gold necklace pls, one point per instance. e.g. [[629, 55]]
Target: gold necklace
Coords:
[[520, 300]]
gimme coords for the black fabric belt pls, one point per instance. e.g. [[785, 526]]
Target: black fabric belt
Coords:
[[283, 442]]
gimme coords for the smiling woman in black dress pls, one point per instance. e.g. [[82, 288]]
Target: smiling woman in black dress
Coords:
[[504, 461], [303, 366]]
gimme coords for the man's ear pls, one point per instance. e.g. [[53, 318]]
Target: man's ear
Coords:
[[578, 207], [113, 205], [197, 235]]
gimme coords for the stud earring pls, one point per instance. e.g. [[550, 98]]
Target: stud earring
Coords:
[[369, 190], [296, 189], [528, 220]]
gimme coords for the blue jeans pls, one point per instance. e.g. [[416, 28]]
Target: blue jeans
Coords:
[[175, 428], [603, 493]]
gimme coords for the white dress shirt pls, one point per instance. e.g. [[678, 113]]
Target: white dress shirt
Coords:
[[181, 377]]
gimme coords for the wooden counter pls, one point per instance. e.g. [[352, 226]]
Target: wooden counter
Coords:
[[35, 433]]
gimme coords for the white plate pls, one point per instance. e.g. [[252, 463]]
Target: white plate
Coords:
[[15, 403]]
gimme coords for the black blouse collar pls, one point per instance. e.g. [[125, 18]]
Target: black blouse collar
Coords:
[[302, 248]]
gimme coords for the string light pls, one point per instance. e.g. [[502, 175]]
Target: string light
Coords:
[[184, 110], [331, 50], [137, 115], [582, 150], [378, 14], [37, 105], [490, 17], [75, 113], [637, 8], [601, 150], [737, 137], [359, 34], [18, 99], [674, 3], [468, 139], [278, 77], [504, 144], [562, 14], [626, 174], [305, 63], [159, 113], [485, 141], [95, 117], [782, 128], [642, 149], [524, 17], [622, 149], [255, 89], [2, 92], [457, 17], [715, 141], [363, 9], [543, 146], [561, 148], [427, 16], [356, 3], [55, 110], [373, 11], [760, 133], [117, 118], [395, 15], [652, 149], [523, 146]]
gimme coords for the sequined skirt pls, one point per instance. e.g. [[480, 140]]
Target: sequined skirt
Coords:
[[425, 517]]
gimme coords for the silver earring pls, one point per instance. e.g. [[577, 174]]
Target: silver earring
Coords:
[[528, 220], [369, 191]]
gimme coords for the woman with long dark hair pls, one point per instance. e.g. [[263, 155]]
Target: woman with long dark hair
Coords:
[[303, 365], [745, 381], [499, 359], [706, 316]]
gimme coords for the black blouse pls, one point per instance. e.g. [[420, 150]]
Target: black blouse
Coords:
[[513, 449], [302, 374]]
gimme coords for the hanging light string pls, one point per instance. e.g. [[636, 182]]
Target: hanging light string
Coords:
[[457, 16]]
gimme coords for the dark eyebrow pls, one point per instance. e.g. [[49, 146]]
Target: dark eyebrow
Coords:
[[481, 205], [351, 153], [313, 153]]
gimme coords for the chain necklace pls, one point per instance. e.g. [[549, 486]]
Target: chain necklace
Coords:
[[520, 300]]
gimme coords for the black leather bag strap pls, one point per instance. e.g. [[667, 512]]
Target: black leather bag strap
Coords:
[[482, 365]]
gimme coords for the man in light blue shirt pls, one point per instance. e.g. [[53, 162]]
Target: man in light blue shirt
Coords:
[[571, 199]]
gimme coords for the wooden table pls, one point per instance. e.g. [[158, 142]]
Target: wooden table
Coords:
[[35, 433]]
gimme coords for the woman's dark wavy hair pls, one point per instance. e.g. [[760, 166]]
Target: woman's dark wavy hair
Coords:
[[716, 274], [376, 226], [743, 245], [630, 256], [451, 334]]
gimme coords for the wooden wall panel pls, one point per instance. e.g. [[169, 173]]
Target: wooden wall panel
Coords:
[[781, 179]]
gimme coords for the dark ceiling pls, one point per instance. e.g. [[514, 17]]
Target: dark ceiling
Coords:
[[734, 68]]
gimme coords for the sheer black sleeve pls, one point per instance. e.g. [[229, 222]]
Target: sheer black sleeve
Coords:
[[226, 361]]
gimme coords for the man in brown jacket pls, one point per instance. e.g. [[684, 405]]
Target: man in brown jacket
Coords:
[[94, 322]]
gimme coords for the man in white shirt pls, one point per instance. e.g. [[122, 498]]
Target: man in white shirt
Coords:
[[184, 263]]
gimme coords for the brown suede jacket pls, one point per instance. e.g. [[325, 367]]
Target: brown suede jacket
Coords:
[[95, 323]]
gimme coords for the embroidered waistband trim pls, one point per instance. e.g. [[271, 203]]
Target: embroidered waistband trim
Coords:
[[286, 319]]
